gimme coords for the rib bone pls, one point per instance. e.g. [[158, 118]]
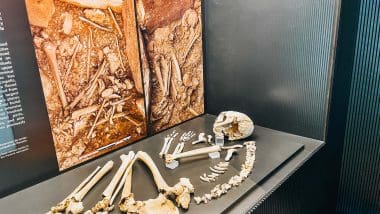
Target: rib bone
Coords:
[[230, 152]]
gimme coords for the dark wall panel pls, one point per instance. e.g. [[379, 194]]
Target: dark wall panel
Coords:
[[270, 59], [359, 190]]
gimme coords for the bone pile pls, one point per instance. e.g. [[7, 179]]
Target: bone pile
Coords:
[[91, 92], [234, 181], [172, 32], [216, 171]]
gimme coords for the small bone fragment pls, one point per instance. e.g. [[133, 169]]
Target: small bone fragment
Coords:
[[40, 12], [95, 15], [175, 91], [87, 110], [169, 158], [114, 96], [71, 63], [83, 19], [115, 116], [113, 59], [169, 79], [216, 171], [157, 71], [201, 139], [223, 164], [97, 4], [131, 40], [220, 168], [133, 121], [209, 138], [190, 46], [213, 175], [197, 200], [50, 50], [230, 152], [177, 67], [205, 179], [140, 105], [106, 93], [193, 112], [105, 169], [96, 119], [67, 23], [112, 113], [119, 52], [89, 47], [115, 22]]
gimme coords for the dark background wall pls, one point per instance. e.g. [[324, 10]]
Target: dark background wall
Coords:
[[270, 60], [359, 190]]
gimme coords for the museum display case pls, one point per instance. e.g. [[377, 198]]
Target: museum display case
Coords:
[[155, 106]]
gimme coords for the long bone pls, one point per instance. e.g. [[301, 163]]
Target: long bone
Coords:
[[73, 203], [206, 150], [179, 148], [180, 191], [64, 204], [105, 169], [98, 4], [50, 51], [106, 204]]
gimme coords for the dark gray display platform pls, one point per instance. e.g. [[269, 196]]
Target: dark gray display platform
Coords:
[[278, 155]]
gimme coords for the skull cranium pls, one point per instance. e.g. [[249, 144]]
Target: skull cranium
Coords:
[[234, 125]]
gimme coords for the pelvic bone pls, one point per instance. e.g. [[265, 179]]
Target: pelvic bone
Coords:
[[180, 192]]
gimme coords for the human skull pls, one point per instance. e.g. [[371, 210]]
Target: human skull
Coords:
[[234, 125]]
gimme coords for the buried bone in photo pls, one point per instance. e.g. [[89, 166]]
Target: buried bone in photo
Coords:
[[172, 60], [94, 95]]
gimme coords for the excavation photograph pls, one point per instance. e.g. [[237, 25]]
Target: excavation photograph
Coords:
[[89, 64], [172, 60]]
